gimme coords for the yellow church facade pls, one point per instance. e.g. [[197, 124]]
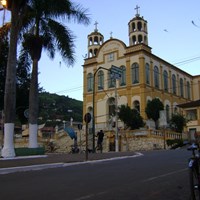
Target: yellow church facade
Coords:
[[142, 76]]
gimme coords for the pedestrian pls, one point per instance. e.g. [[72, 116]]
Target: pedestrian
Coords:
[[100, 136]]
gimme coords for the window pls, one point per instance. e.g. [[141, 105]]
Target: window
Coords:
[[100, 80], [133, 27], [165, 79], [123, 76], [111, 106], [89, 82], [181, 88], [175, 110], [188, 89], [156, 77], [135, 73], [110, 57], [147, 73], [167, 112], [139, 26], [174, 84], [111, 80], [136, 105], [191, 114]]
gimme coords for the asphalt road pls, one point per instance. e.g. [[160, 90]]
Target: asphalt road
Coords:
[[155, 175]]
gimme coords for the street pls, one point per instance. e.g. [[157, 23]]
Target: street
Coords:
[[155, 175]]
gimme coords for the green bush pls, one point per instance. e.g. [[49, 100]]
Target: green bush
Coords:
[[175, 143], [25, 151]]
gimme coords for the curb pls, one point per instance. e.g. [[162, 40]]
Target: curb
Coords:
[[9, 170]]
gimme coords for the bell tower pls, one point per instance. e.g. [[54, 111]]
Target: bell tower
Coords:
[[138, 29], [95, 40]]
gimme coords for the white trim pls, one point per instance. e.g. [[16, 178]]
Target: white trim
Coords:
[[33, 130], [8, 147]]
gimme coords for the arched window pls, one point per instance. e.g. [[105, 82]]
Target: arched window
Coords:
[[188, 90], [139, 26], [165, 79], [90, 41], [100, 80], [147, 73], [174, 84], [181, 88], [140, 38], [123, 76], [167, 113], [135, 73], [134, 39], [133, 27], [89, 82], [96, 40], [136, 105], [111, 106], [95, 51], [156, 77], [111, 80], [175, 110]]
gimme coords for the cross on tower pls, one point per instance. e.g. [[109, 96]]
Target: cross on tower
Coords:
[[96, 23], [137, 10]]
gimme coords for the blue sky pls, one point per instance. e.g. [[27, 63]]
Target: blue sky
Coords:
[[171, 35]]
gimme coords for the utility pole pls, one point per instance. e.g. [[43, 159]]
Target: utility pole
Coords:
[[117, 73], [94, 107], [116, 120]]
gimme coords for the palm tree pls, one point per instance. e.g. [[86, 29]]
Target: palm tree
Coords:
[[18, 10], [45, 32]]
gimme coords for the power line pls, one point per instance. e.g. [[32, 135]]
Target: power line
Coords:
[[183, 62], [187, 61]]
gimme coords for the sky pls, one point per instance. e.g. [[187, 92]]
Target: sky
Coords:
[[173, 35]]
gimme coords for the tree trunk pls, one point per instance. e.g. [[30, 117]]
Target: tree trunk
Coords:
[[10, 87], [33, 106]]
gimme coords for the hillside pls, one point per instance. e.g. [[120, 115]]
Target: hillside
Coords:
[[53, 106]]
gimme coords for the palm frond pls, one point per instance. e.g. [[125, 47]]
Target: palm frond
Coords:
[[65, 9], [63, 40]]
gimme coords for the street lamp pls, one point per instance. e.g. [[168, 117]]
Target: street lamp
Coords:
[[3, 3], [93, 110]]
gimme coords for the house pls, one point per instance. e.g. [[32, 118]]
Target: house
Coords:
[[191, 111]]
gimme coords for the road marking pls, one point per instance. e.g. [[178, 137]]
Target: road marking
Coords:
[[24, 157], [91, 196], [164, 175]]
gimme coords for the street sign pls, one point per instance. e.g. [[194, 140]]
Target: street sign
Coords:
[[116, 72], [115, 75], [87, 117]]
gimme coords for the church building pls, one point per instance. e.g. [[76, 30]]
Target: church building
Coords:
[[118, 74]]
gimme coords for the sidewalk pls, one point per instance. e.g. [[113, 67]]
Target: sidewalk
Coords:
[[25, 163]]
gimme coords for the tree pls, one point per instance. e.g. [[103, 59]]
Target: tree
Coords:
[[22, 83], [131, 117], [23, 78], [153, 109], [44, 32], [18, 10], [177, 122], [3, 62]]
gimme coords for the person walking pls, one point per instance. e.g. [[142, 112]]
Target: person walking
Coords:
[[100, 136]]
